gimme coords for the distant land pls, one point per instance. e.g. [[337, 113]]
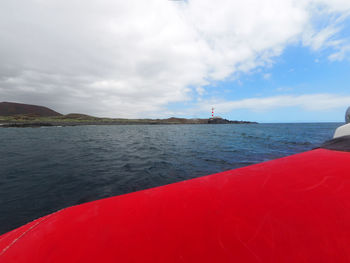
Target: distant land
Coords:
[[25, 115], [12, 109]]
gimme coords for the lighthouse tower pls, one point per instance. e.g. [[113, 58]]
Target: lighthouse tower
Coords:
[[212, 112]]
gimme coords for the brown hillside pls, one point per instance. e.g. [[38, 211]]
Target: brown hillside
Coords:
[[11, 109]]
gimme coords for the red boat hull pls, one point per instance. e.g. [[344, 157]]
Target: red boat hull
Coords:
[[293, 209]]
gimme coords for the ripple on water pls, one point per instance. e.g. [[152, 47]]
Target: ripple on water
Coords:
[[43, 170]]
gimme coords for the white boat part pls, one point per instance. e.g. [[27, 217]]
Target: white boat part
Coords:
[[343, 130]]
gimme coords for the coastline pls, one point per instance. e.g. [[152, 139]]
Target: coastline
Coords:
[[20, 115], [24, 122]]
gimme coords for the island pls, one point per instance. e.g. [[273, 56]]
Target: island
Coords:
[[25, 115]]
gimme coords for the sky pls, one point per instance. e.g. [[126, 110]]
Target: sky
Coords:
[[256, 60]]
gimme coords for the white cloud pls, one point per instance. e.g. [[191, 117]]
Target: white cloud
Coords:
[[340, 54], [201, 91], [321, 39], [328, 17], [309, 102], [267, 76], [334, 5], [132, 58]]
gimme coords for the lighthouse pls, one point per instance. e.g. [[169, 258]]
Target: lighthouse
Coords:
[[212, 112]]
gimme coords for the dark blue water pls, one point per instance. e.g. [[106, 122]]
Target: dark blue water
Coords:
[[45, 169]]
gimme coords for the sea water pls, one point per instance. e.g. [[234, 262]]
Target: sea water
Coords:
[[46, 169]]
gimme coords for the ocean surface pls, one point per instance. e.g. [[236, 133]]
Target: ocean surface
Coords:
[[46, 169]]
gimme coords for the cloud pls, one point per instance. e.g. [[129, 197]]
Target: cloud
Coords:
[[309, 102], [321, 39], [132, 58], [267, 76], [340, 54], [327, 22]]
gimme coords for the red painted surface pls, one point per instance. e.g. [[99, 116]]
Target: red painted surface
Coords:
[[294, 209]]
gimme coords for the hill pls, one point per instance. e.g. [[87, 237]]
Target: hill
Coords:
[[12, 109]]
